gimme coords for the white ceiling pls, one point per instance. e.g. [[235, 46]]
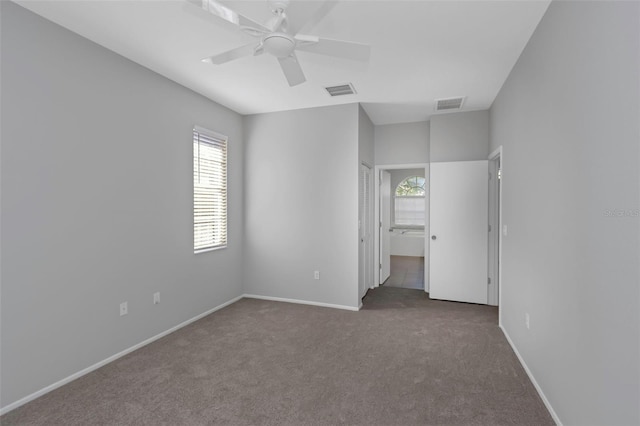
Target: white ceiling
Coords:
[[420, 50]]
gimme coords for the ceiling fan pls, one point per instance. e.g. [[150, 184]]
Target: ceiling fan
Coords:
[[281, 38]]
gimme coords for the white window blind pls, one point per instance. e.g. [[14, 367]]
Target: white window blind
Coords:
[[409, 211], [209, 190], [410, 202]]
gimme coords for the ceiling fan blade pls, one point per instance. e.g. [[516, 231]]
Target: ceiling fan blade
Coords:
[[292, 70], [298, 15], [329, 47], [230, 55], [223, 12]]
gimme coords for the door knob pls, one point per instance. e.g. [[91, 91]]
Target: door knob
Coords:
[[433, 237]]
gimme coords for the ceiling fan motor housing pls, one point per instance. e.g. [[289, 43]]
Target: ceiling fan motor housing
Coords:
[[278, 6], [280, 45]]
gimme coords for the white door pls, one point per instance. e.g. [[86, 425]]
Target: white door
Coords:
[[458, 240], [365, 249], [385, 225]]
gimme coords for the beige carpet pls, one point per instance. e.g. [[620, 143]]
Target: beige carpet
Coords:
[[403, 359]]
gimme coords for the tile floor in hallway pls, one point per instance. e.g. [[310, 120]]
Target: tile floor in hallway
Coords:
[[406, 272]]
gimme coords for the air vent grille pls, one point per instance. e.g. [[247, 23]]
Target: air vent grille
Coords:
[[343, 89], [449, 104]]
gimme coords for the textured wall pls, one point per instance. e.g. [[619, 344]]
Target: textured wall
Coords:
[[97, 204], [406, 143], [302, 205], [567, 118], [460, 136]]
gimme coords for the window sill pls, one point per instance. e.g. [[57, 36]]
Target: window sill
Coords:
[[209, 249]]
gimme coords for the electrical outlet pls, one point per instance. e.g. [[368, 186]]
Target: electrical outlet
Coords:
[[316, 275], [526, 320], [156, 298], [124, 310]]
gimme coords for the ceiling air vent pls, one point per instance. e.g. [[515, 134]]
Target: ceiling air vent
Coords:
[[449, 104], [343, 89]]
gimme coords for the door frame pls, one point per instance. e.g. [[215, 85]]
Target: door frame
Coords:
[[385, 203], [376, 219], [496, 161], [365, 249]]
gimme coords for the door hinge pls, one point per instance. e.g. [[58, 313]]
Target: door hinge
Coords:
[[488, 280], [489, 176], [489, 228], [380, 265], [380, 224], [499, 174]]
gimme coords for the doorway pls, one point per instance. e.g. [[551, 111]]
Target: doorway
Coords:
[[402, 206], [365, 251], [495, 227]]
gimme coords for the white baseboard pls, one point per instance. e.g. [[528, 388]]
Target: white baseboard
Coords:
[[112, 358], [533, 379], [301, 302]]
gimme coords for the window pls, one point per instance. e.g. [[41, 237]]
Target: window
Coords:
[[409, 202], [209, 190]]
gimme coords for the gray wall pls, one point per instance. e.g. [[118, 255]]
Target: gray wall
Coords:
[[405, 143], [567, 118], [460, 136], [302, 205], [366, 138], [97, 204]]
